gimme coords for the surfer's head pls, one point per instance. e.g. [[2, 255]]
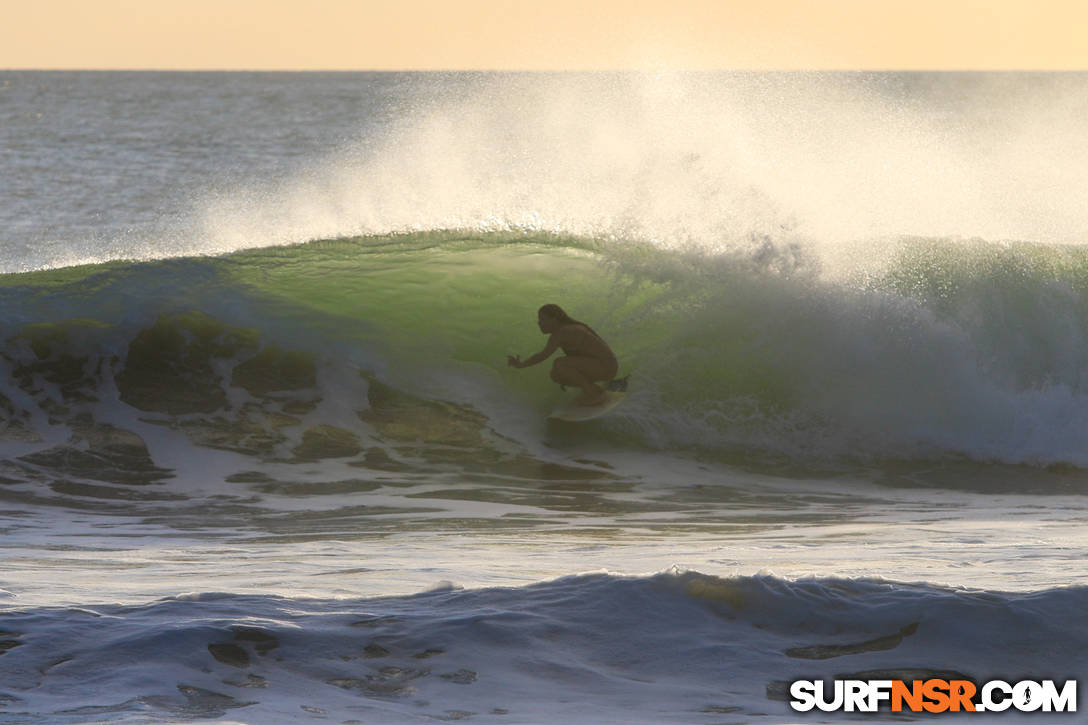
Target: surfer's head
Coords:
[[551, 317]]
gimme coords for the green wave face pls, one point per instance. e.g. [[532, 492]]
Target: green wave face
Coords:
[[467, 300]]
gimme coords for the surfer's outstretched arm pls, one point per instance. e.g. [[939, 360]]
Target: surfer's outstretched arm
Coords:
[[547, 352]]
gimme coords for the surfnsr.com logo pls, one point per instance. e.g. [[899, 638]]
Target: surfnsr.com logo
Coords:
[[934, 696]]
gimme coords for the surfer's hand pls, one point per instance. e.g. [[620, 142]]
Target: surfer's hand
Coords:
[[513, 360]]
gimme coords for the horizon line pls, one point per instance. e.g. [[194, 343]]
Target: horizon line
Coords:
[[829, 69]]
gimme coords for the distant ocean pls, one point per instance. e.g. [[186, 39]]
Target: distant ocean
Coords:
[[263, 460]]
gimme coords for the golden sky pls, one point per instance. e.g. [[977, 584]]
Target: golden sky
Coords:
[[544, 34]]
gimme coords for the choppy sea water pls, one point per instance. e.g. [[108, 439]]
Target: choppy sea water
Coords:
[[263, 461]]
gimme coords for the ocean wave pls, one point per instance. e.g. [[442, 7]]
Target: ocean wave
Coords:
[[671, 647], [947, 349]]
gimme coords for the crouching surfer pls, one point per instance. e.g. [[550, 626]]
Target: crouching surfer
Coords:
[[587, 358]]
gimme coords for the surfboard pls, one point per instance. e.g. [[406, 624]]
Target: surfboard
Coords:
[[615, 392]]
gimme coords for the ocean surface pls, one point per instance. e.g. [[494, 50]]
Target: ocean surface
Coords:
[[263, 460]]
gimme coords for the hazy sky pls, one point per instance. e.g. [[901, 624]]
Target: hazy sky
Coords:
[[544, 34]]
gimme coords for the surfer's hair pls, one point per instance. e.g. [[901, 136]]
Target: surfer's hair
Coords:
[[558, 313]]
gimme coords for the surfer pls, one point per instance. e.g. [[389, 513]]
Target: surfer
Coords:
[[587, 358]]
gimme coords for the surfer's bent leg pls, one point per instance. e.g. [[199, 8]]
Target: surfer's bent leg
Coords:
[[583, 372]]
